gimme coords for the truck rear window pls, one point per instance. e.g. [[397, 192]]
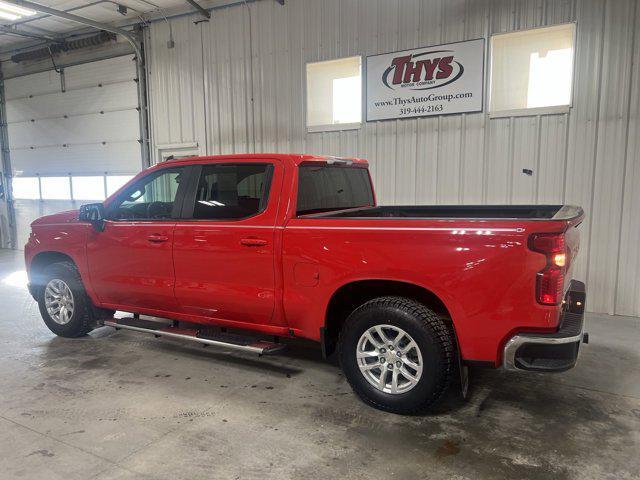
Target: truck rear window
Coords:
[[323, 188]]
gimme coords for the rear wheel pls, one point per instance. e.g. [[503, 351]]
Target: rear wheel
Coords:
[[64, 305], [397, 354]]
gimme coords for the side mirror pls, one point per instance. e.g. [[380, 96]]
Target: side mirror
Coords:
[[94, 214]]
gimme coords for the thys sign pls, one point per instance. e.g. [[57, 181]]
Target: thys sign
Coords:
[[426, 81]]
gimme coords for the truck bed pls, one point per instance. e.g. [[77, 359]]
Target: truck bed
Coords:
[[488, 212]]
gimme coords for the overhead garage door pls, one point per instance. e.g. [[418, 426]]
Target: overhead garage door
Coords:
[[72, 139]]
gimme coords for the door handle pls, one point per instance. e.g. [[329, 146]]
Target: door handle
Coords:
[[253, 242], [157, 238]]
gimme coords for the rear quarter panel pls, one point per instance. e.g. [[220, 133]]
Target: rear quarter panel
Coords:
[[481, 270]]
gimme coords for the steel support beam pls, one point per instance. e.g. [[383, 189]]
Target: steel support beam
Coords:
[[24, 33], [140, 66], [205, 13], [78, 19], [8, 231]]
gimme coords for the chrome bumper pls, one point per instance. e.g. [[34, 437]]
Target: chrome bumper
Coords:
[[552, 352]]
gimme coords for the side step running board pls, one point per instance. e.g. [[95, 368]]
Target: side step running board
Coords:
[[226, 340]]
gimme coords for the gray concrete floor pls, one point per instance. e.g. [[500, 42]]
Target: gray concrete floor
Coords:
[[122, 405]]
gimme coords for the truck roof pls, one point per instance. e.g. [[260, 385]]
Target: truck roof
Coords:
[[292, 158]]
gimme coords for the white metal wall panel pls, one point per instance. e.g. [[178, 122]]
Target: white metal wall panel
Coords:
[[552, 150], [613, 120], [73, 102], [88, 155], [91, 128], [76, 131], [176, 83], [248, 95], [583, 122], [114, 70], [627, 301], [44, 82], [119, 126]]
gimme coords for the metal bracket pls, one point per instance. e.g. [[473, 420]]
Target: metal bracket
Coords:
[[24, 33], [59, 71], [205, 13]]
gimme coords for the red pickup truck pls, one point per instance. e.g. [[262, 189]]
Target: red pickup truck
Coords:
[[295, 246]]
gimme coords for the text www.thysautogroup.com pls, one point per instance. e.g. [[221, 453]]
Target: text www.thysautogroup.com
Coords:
[[424, 104]]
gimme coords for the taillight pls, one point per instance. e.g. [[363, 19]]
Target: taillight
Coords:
[[550, 280]]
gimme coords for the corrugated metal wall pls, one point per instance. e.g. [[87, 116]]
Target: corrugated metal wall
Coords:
[[236, 84]]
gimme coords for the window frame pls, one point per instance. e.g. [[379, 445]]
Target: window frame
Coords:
[[335, 127], [534, 111], [177, 203], [189, 200]]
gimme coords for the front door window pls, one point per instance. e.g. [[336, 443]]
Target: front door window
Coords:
[[151, 198]]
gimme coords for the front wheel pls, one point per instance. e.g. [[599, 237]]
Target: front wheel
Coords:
[[63, 302], [397, 354]]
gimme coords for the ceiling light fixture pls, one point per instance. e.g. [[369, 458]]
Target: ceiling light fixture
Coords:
[[13, 12], [8, 16]]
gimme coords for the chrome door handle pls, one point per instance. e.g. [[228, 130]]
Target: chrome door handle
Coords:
[[157, 238], [253, 242]]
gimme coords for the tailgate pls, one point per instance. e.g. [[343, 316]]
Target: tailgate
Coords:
[[573, 215], [572, 245]]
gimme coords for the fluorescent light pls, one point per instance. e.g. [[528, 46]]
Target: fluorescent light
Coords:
[[8, 16], [20, 11]]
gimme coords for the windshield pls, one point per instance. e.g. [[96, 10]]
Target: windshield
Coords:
[[323, 188]]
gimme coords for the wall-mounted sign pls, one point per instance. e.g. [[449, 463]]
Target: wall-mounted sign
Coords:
[[426, 81]]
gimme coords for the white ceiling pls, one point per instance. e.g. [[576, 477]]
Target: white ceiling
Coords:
[[105, 11]]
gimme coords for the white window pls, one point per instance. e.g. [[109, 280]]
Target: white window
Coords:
[[532, 71], [25, 188], [88, 188], [55, 188], [114, 182], [334, 94]]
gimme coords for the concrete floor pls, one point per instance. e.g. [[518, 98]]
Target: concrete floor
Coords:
[[121, 405]]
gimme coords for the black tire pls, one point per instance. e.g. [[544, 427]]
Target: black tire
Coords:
[[84, 317], [429, 332]]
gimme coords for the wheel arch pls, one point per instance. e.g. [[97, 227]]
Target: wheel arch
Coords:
[[353, 294], [39, 262]]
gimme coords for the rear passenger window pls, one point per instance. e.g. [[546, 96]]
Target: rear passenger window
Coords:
[[232, 191], [322, 188]]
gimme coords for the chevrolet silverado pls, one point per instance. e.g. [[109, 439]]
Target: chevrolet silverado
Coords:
[[295, 246]]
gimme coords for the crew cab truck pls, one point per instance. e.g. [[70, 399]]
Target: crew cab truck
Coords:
[[296, 246]]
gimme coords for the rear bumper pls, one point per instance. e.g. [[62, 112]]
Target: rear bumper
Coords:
[[551, 352]]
